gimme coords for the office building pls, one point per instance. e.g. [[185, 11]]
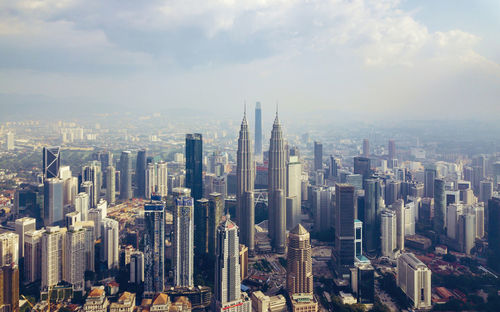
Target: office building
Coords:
[[392, 191], [53, 202], [215, 213], [294, 192], [485, 191], [430, 174], [363, 282], [71, 218], [140, 173], [9, 248], [258, 132], [150, 181], [24, 225], [110, 251], [366, 148], [439, 206], [494, 232], [154, 247], [334, 167], [245, 206], [362, 166], [74, 257], [496, 175], [194, 164], [161, 179], [299, 277], [32, 256], [9, 292], [227, 294], [414, 279], [373, 194], [89, 245], [92, 172], [201, 211], [322, 208], [183, 241], [53, 246], [318, 156], [345, 213], [277, 188], [82, 205], [389, 233], [398, 208], [9, 140], [51, 162], [110, 184], [126, 175], [137, 268]]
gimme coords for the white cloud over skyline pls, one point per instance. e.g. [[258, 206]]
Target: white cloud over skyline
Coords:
[[374, 57]]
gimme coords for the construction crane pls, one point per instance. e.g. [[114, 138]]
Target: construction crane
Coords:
[[31, 305]]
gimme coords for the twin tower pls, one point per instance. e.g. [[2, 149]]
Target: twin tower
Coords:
[[245, 209]]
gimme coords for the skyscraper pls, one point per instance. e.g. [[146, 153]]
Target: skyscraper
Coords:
[[194, 164], [9, 248], [137, 268], [245, 209], [430, 174], [299, 277], [294, 194], [51, 162], [215, 213], [362, 165], [439, 206], [161, 179], [92, 172], [9, 138], [110, 185], [277, 188], [110, 251], [318, 156], [494, 232], [126, 175], [53, 245], [150, 181], [74, 257], [53, 201], [9, 282], [373, 193], [183, 241], [366, 148], [227, 294], [140, 173], [392, 149], [154, 248], [345, 213], [24, 225], [258, 132], [388, 238], [32, 256]]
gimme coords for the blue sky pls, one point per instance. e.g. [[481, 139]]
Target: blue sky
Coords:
[[374, 59]]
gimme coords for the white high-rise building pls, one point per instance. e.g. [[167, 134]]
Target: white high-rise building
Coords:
[[410, 212], [322, 208], [110, 243], [294, 190], [161, 179], [479, 212], [183, 241], [53, 245], [227, 293], [82, 205], [400, 223], [32, 256], [103, 206], [452, 214], [95, 215], [89, 228], [9, 248], [10, 141], [150, 182], [24, 225], [74, 257], [110, 184], [414, 278], [388, 230]]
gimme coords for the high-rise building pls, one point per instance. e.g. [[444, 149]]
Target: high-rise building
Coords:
[[51, 162], [299, 278], [322, 208], [294, 192], [32, 256], [334, 167], [74, 257], [318, 156], [215, 213], [150, 181], [9, 292], [194, 164], [53, 246], [414, 279], [183, 241], [366, 148], [363, 282], [24, 225], [161, 179], [389, 230], [496, 174], [485, 191], [398, 208], [227, 294], [392, 150], [137, 268], [373, 194], [110, 184], [53, 202], [9, 138], [9, 248], [392, 191], [494, 232], [201, 210], [439, 206], [277, 188], [430, 174], [110, 251], [362, 165], [345, 213], [82, 205], [89, 244], [126, 175], [140, 173], [106, 159], [258, 132], [245, 207], [92, 172], [154, 248]]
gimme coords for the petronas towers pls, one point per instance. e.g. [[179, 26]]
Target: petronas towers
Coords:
[[245, 209]]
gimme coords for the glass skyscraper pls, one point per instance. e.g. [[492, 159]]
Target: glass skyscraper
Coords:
[[194, 164]]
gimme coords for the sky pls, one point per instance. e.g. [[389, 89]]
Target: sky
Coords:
[[384, 59]]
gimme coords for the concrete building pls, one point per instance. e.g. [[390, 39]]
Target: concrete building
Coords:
[[24, 225], [82, 205], [299, 278], [32, 256], [388, 231], [9, 248], [137, 268], [126, 175], [414, 279], [294, 192], [110, 185], [74, 257], [154, 249], [53, 202], [110, 252], [183, 241], [345, 214], [53, 246]]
